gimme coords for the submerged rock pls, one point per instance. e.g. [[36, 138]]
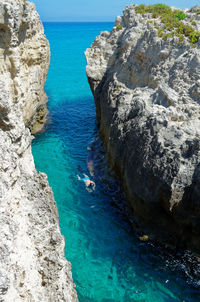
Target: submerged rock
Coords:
[[144, 238], [146, 90], [32, 262]]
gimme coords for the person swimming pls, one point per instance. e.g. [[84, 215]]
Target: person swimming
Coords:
[[87, 181]]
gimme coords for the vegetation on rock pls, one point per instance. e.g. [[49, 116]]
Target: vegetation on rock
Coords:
[[119, 27], [172, 22]]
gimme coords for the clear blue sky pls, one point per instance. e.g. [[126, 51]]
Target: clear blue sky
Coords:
[[93, 10]]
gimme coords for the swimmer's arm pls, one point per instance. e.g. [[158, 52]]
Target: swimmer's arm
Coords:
[[85, 175], [78, 177]]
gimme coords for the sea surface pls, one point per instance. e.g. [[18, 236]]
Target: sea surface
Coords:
[[109, 262]]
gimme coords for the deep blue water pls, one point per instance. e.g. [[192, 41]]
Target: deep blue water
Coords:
[[109, 262]]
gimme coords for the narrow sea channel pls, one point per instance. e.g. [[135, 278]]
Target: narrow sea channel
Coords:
[[109, 262]]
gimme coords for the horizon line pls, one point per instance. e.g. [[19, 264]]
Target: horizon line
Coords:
[[77, 21]]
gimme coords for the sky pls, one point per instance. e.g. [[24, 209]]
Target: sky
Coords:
[[94, 10]]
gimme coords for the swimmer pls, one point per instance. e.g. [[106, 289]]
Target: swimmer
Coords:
[[87, 181]]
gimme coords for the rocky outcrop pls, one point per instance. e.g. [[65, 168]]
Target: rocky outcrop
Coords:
[[33, 266], [24, 57], [146, 85]]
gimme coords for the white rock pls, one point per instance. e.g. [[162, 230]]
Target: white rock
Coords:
[[32, 262]]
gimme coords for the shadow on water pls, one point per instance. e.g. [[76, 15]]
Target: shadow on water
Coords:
[[109, 262]]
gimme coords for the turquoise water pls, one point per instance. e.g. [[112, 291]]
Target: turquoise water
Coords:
[[109, 263]]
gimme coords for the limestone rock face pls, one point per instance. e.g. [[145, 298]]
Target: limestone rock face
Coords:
[[24, 58], [32, 262], [147, 95]]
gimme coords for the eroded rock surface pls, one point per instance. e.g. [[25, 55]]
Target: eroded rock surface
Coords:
[[147, 95], [32, 262], [24, 59]]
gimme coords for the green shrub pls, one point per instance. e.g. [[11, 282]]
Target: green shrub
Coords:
[[119, 27], [118, 52], [172, 22], [180, 15], [160, 32], [166, 36], [156, 9], [181, 38], [194, 37]]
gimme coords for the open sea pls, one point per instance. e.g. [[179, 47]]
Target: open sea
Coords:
[[109, 262]]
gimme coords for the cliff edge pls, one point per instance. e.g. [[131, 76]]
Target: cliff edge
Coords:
[[145, 77], [33, 266]]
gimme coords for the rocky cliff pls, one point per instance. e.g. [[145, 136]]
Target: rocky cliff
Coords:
[[145, 77], [24, 57], [33, 267]]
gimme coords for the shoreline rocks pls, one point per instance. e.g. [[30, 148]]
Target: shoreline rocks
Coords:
[[33, 266], [147, 101]]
